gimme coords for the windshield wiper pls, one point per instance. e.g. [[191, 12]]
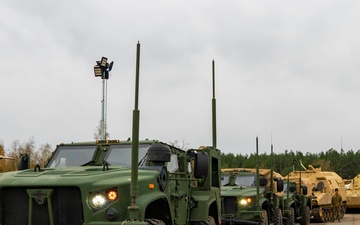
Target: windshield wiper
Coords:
[[142, 162]]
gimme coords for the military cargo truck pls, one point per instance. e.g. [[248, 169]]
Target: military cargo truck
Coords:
[[251, 199], [353, 193], [323, 188]]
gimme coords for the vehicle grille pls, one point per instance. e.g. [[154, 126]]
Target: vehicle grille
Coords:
[[229, 205], [65, 203]]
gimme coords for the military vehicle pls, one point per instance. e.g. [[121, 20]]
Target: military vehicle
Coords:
[[115, 182], [297, 200], [248, 195], [89, 183], [323, 188], [353, 193], [8, 164], [250, 199]]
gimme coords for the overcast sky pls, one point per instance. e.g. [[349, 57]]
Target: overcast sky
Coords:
[[286, 71]]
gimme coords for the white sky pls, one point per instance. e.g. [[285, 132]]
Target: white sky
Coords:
[[284, 69]]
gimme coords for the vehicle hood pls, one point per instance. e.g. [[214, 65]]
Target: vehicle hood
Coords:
[[66, 176], [239, 191]]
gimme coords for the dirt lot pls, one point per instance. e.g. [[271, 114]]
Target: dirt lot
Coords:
[[349, 219]]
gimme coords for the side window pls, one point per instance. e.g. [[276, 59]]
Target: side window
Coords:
[[173, 165]]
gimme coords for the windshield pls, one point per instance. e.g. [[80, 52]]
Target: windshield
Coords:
[[225, 180], [238, 180], [121, 154], [291, 186], [245, 180], [285, 186], [72, 156]]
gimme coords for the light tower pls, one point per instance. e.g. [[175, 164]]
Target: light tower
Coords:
[[102, 69]]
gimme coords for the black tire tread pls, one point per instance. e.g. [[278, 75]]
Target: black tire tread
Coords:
[[305, 215]]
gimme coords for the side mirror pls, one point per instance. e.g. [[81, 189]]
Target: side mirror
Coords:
[[280, 185], [292, 189], [201, 165], [304, 190], [23, 162], [263, 181]]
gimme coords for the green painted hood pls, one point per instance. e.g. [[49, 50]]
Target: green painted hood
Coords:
[[239, 191], [74, 176]]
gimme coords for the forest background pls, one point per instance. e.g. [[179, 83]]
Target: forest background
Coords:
[[344, 163]]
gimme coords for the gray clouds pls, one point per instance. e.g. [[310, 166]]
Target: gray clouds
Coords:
[[283, 69]]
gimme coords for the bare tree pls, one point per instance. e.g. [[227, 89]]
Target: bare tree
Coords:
[[97, 132], [177, 144]]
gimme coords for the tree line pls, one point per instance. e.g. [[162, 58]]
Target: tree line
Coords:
[[345, 164], [38, 155]]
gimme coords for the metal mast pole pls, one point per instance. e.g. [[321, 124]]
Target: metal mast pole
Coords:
[[214, 106], [257, 175], [102, 69], [102, 122], [134, 208]]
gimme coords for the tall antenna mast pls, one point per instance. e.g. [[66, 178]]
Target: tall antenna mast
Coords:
[[134, 208], [257, 174], [213, 106]]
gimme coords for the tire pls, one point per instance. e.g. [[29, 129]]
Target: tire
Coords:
[[210, 221], [305, 215], [278, 220], [290, 219], [318, 215], [154, 221], [265, 219]]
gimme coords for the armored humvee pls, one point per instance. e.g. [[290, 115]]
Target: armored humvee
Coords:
[[89, 183], [248, 198], [297, 200]]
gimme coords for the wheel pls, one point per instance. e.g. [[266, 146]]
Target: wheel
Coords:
[[305, 215], [265, 219], [290, 219], [318, 215], [278, 216], [210, 221], [154, 221]]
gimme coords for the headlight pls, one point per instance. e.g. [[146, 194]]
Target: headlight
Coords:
[[98, 200], [245, 201]]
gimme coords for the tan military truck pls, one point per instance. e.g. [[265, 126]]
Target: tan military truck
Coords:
[[323, 188], [353, 193]]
